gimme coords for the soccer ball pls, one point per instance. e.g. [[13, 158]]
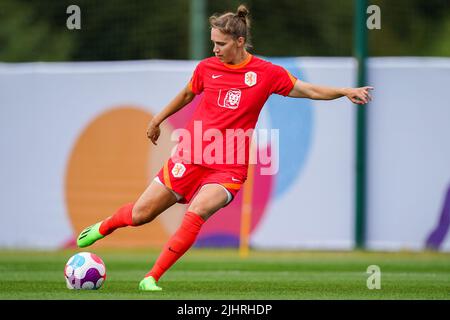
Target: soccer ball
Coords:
[[85, 270]]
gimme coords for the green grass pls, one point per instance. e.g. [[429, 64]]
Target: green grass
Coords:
[[221, 274]]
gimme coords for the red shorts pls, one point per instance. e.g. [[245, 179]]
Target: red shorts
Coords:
[[187, 178]]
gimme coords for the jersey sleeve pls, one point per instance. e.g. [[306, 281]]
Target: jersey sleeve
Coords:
[[196, 82], [282, 80]]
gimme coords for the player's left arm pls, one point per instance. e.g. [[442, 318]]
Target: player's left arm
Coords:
[[303, 89]]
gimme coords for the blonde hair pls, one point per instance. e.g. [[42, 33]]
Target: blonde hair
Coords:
[[234, 24]]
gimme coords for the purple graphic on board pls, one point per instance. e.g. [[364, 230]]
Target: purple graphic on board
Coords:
[[437, 236]]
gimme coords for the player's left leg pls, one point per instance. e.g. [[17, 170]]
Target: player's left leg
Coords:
[[210, 198]]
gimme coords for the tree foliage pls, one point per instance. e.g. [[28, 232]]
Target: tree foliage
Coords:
[[154, 29]]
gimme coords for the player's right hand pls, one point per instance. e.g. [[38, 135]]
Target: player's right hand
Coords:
[[153, 132]]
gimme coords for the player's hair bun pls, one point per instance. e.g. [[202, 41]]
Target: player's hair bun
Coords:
[[242, 12]]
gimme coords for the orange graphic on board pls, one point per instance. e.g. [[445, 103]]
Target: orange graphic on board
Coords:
[[111, 164]]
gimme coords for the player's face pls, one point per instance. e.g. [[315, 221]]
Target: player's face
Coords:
[[225, 47]]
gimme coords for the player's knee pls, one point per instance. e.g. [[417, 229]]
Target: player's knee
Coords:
[[201, 208], [142, 214]]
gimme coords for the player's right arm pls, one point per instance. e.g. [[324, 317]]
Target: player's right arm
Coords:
[[181, 99]]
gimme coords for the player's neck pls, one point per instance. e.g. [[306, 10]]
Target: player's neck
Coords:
[[240, 57]]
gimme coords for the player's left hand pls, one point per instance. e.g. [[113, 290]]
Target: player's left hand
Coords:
[[359, 95]]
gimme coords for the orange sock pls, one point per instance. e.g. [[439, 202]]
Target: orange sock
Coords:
[[177, 245], [122, 218]]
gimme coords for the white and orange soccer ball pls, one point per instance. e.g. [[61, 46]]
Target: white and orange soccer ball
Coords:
[[85, 270]]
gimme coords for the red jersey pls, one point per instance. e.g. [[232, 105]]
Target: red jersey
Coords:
[[233, 96]]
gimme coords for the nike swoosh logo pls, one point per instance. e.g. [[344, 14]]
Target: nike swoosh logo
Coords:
[[170, 249], [235, 180], [215, 76]]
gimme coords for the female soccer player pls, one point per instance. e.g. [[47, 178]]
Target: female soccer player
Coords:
[[235, 85]]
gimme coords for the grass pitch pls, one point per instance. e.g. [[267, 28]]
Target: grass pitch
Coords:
[[221, 274]]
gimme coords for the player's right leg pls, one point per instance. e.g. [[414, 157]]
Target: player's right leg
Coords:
[[153, 201]]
